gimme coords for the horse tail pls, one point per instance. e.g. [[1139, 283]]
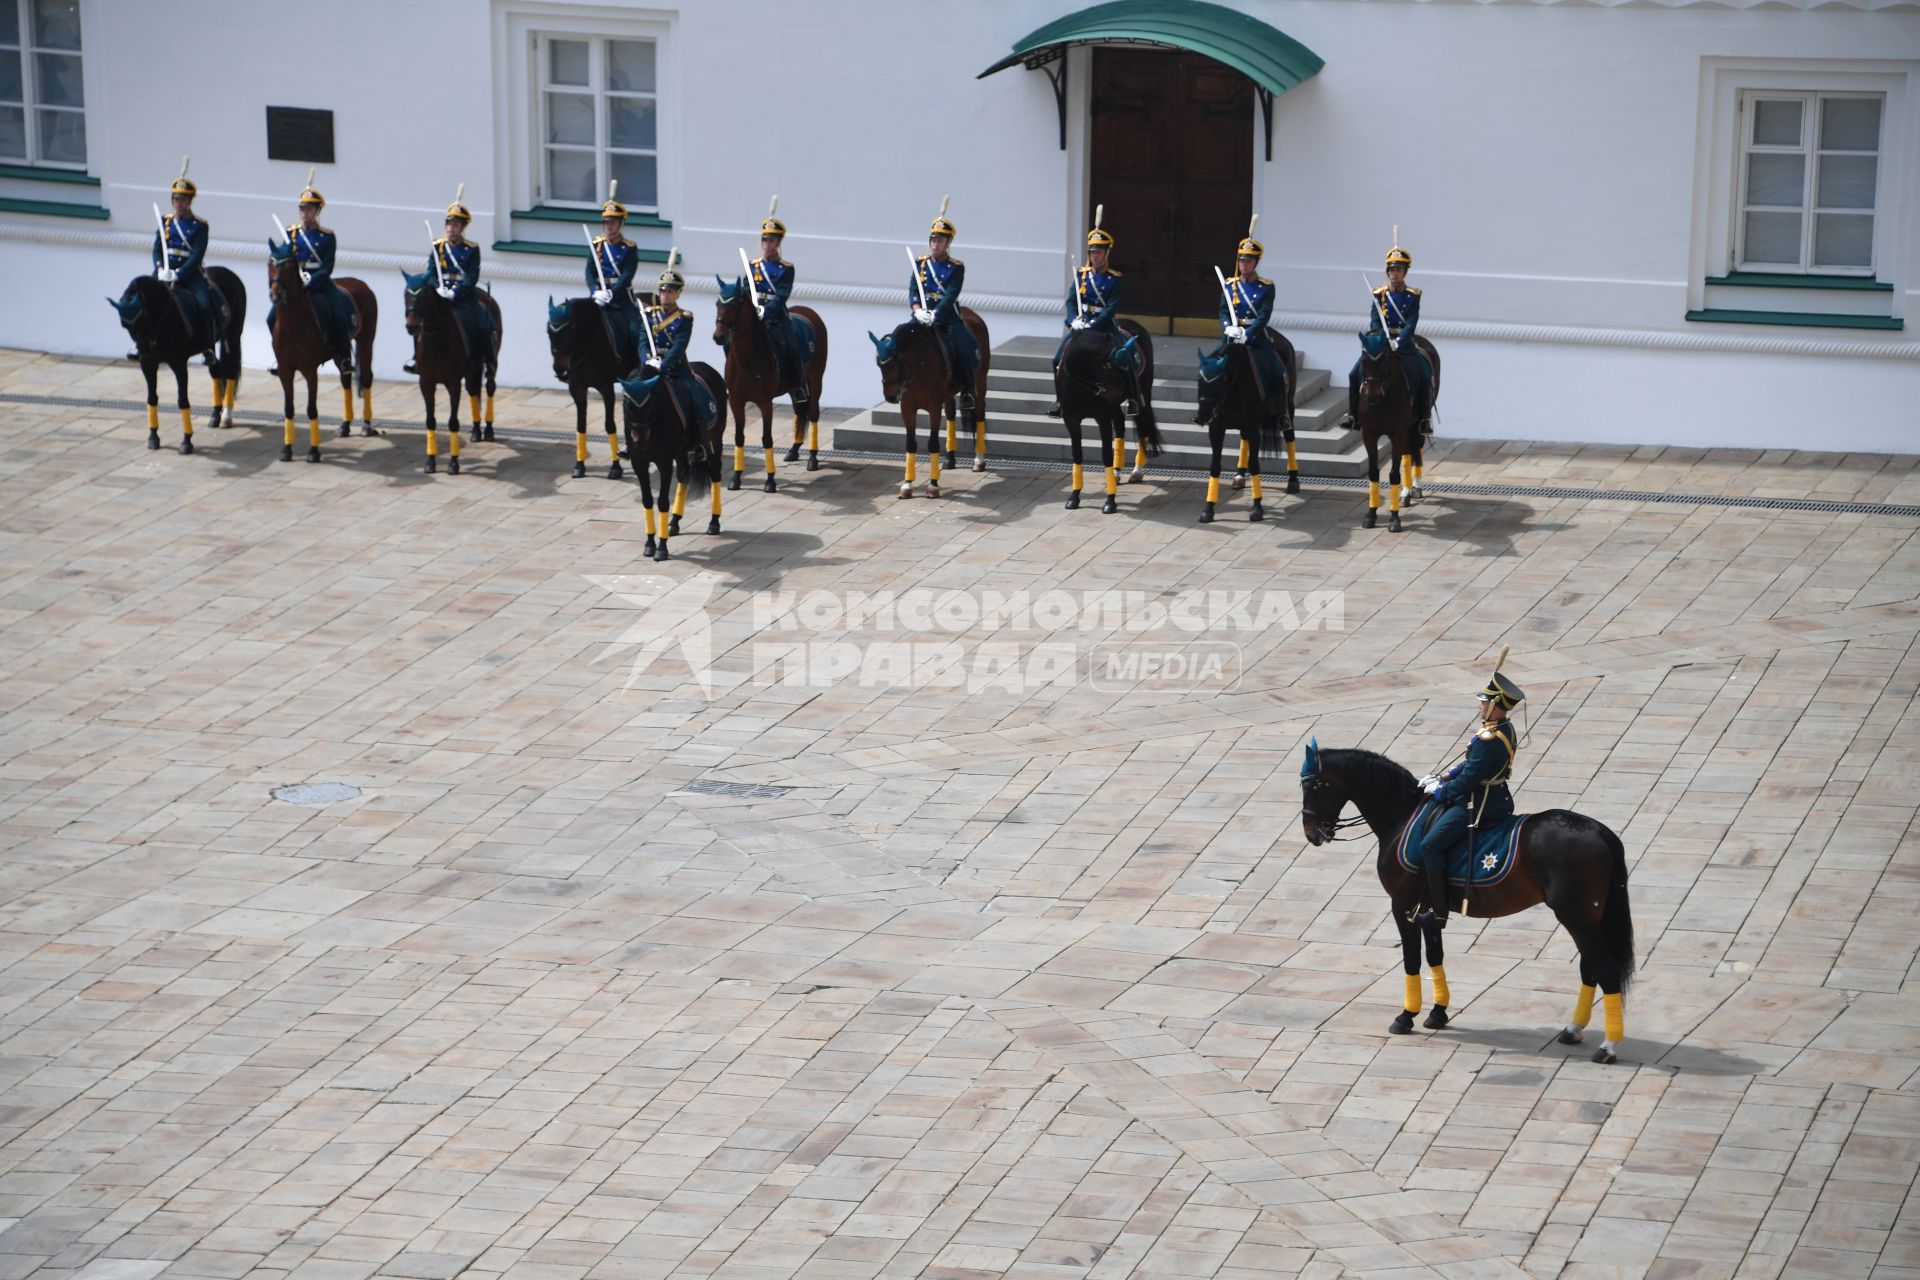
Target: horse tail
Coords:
[[1616, 923], [703, 471], [1149, 426]]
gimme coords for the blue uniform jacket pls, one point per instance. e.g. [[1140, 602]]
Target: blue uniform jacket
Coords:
[[315, 251], [1402, 309], [774, 282], [1252, 309], [617, 259], [183, 246], [1099, 293], [457, 266], [943, 282], [1481, 779]]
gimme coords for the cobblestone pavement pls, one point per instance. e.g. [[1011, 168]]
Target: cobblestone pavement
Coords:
[[630, 960]]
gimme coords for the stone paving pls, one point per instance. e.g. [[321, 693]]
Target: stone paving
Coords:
[[1035, 979]]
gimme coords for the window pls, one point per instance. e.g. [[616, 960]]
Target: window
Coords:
[[42, 120], [599, 121], [1810, 175]]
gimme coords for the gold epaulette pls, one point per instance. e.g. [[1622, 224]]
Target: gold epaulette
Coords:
[[1113, 273], [1380, 292], [1415, 292], [955, 262], [1260, 279]]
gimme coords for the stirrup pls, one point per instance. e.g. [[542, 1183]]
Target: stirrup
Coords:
[[411, 366], [964, 400], [1055, 411], [1130, 407], [800, 392], [1430, 916]]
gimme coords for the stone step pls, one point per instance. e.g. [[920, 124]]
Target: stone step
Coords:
[[1168, 388], [1033, 398]]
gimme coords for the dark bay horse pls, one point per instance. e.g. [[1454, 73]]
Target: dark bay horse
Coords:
[[1575, 865], [151, 316], [1091, 382], [658, 440], [443, 359], [1385, 412], [1231, 398], [585, 359], [913, 375], [300, 349], [1290, 361], [753, 377]]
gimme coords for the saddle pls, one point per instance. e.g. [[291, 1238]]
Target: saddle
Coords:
[[1483, 858], [204, 331]]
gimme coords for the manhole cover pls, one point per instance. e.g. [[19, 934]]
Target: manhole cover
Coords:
[[738, 790], [315, 794]]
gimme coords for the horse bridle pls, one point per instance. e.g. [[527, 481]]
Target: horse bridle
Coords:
[[1370, 387], [1326, 828]]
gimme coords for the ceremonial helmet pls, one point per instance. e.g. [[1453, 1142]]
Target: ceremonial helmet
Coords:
[[1501, 691], [671, 279], [310, 194], [1099, 238], [770, 225], [182, 186], [456, 209], [1249, 247], [1396, 256], [613, 208], [941, 227]]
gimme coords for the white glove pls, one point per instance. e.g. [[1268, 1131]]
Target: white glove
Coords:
[[1431, 786], [1077, 323], [923, 315], [446, 292], [603, 296], [167, 275], [761, 311], [1240, 335]]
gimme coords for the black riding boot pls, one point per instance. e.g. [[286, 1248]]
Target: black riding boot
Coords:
[[1422, 414], [1353, 404], [413, 361], [1436, 912]]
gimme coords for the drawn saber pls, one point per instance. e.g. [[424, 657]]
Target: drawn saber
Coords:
[[1233, 311], [759, 307], [918, 280], [593, 251], [1098, 211], [1073, 274], [1378, 310], [166, 258], [438, 271]]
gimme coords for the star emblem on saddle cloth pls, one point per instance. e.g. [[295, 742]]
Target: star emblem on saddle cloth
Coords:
[[1486, 863]]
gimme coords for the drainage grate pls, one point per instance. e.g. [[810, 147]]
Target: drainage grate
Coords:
[[1439, 490], [316, 795], [738, 790]]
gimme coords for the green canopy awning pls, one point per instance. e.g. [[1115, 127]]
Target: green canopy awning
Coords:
[[1271, 58]]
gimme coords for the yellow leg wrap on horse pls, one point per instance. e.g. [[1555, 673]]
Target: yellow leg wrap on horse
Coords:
[[953, 435], [1406, 467], [680, 499], [799, 427], [233, 389], [219, 392], [1079, 477], [366, 406], [287, 439], [1583, 1007], [1440, 993], [433, 442], [1213, 489], [650, 531], [1113, 482], [769, 459], [739, 458], [1616, 1011], [473, 408], [913, 466], [153, 419], [933, 464], [453, 442], [1242, 464], [1292, 463], [1373, 495], [665, 527], [346, 399], [613, 446], [1416, 475], [1412, 1003], [186, 421], [715, 491], [489, 408], [313, 432], [1254, 482], [579, 446], [813, 437], [1393, 495], [980, 438], [1140, 456]]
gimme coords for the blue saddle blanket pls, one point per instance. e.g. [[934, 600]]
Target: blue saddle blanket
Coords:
[[1487, 855]]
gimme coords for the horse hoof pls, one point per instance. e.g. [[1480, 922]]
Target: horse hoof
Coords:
[[433, 466], [186, 444], [770, 486], [1402, 1025], [313, 454], [153, 440], [660, 555], [1373, 518], [673, 527], [1437, 1018], [652, 543], [948, 461], [579, 471], [286, 453], [489, 432], [1206, 517], [734, 484], [1393, 522], [346, 430], [1603, 1056], [1258, 513], [933, 488], [1240, 481], [813, 462], [1416, 494], [713, 524], [1293, 482], [1073, 500], [615, 473], [366, 429], [1137, 476], [793, 454], [979, 464], [1110, 506], [1568, 1035], [453, 466], [906, 491]]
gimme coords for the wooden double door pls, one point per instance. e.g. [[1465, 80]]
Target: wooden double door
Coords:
[[1172, 143]]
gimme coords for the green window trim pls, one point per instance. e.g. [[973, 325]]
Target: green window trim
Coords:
[[57, 209], [36, 173], [1773, 280], [550, 213], [566, 250], [1808, 319]]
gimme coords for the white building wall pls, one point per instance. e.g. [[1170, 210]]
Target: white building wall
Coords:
[[1544, 164]]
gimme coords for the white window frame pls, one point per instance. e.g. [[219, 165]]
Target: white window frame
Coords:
[[520, 103], [595, 88], [1812, 104], [28, 106], [1719, 171]]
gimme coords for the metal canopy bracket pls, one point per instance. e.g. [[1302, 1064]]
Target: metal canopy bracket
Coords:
[[1266, 114], [1045, 60]]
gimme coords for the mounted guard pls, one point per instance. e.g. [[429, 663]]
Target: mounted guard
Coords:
[[773, 278], [314, 247], [179, 257], [1093, 302], [1395, 312], [672, 330], [933, 295], [612, 261], [1246, 309], [453, 265], [1474, 792]]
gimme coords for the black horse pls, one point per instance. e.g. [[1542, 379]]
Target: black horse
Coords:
[[153, 318], [1231, 398], [1091, 381], [1575, 865], [1384, 410], [585, 358], [658, 437], [1290, 361]]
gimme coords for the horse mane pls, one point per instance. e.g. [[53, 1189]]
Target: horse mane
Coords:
[[1370, 769]]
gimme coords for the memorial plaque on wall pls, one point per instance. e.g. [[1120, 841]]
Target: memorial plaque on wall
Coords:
[[298, 133]]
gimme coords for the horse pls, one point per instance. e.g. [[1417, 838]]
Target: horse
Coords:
[[299, 348], [657, 434], [1574, 864], [1091, 382], [1290, 361], [753, 377], [1384, 410], [914, 376], [153, 318], [1231, 397], [585, 358], [444, 360]]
